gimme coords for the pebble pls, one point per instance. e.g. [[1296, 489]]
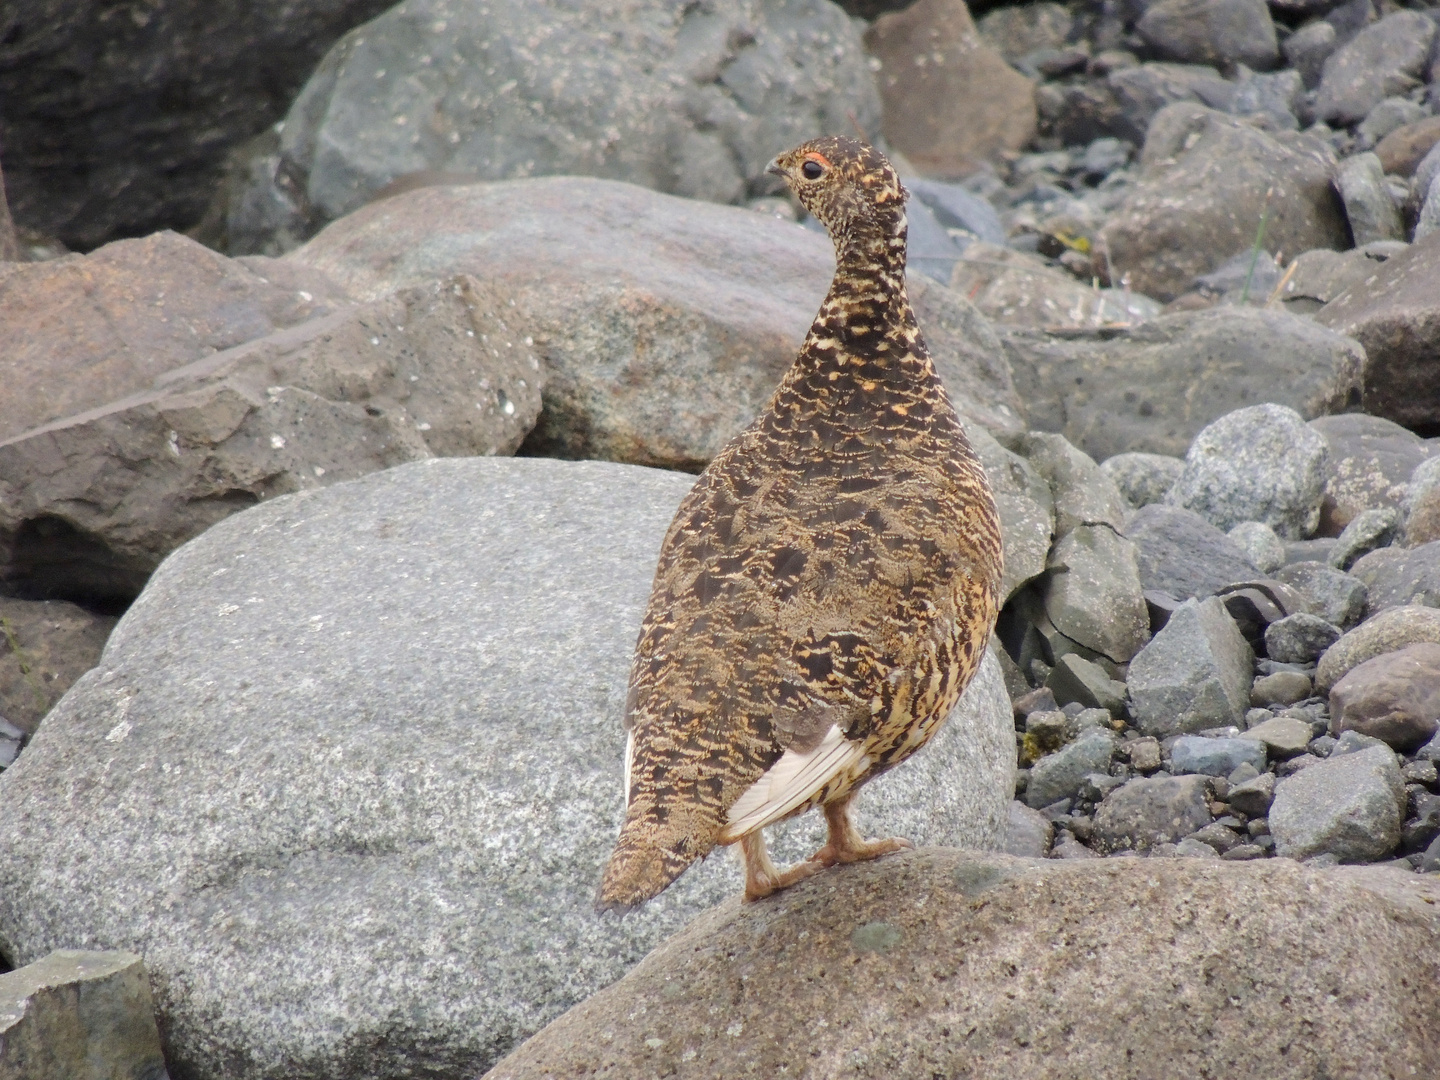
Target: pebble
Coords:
[[1214, 757], [1252, 797], [1299, 638], [1260, 544], [1336, 597], [1152, 810], [1061, 774], [1285, 736], [1144, 753], [1281, 688]]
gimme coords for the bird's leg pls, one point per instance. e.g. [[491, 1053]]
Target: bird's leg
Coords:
[[844, 844], [761, 876]]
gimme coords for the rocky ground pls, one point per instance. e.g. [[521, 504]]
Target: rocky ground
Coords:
[[335, 453]]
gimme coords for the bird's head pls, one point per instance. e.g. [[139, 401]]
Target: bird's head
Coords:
[[848, 185]]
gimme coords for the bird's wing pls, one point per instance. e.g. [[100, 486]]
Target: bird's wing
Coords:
[[790, 782]]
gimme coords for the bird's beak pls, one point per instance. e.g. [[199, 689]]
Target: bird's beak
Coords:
[[774, 168]]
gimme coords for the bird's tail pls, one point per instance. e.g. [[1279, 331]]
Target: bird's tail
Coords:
[[649, 855]]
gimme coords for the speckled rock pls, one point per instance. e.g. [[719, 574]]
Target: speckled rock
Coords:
[[1397, 576], [1153, 810], [1022, 950], [1384, 59], [1349, 806], [1194, 674], [1027, 832], [1153, 387], [1394, 312], [930, 55], [1142, 478], [90, 505], [1284, 736], [1182, 554], [1059, 775], [45, 645], [1368, 461], [1218, 32], [1093, 593], [1256, 464], [1254, 796], [1394, 697], [1369, 206], [1260, 545], [1421, 504], [1203, 188], [1336, 597], [1214, 756], [1299, 638], [1368, 531], [1392, 629], [77, 1015], [374, 781], [692, 101]]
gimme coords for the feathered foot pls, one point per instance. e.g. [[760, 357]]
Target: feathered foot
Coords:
[[761, 876], [844, 844]]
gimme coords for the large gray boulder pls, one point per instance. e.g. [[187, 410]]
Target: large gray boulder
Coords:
[[117, 124], [349, 768], [1207, 180], [690, 99], [942, 963], [664, 324], [90, 504], [1153, 387]]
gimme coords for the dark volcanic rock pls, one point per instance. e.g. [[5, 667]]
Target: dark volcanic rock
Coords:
[[115, 121]]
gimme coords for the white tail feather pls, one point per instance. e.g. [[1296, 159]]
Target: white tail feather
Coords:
[[789, 783]]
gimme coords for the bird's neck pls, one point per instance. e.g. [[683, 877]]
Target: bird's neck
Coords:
[[867, 305]]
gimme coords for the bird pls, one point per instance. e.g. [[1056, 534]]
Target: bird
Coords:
[[826, 589]]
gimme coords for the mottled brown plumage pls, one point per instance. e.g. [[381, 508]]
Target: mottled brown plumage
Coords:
[[827, 588]]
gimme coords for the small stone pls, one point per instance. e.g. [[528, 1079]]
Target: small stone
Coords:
[[1097, 785], [1322, 746], [1430, 863], [1300, 638], [1221, 33], [1420, 772], [1027, 832], [1244, 852], [1253, 797], [1421, 502], [1394, 697], [1388, 631], [1183, 555], [1260, 545], [1291, 766], [1152, 810], [1075, 679], [1260, 463], [1045, 732], [1352, 742], [1195, 849], [1258, 827], [1256, 717], [1367, 531], [1285, 736], [1372, 212], [1141, 478], [1214, 757], [1193, 674], [1404, 148], [1241, 773], [1390, 115], [1218, 836], [1061, 774], [1144, 754], [1067, 847], [1382, 60], [1396, 576], [1431, 750], [1041, 700], [1336, 597], [1281, 688], [1093, 593], [1348, 806]]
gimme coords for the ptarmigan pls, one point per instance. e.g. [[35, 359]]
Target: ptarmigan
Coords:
[[827, 588]]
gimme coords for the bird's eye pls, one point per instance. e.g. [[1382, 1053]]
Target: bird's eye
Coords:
[[812, 170]]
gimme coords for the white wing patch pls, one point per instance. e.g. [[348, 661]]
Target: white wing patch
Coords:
[[789, 783]]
